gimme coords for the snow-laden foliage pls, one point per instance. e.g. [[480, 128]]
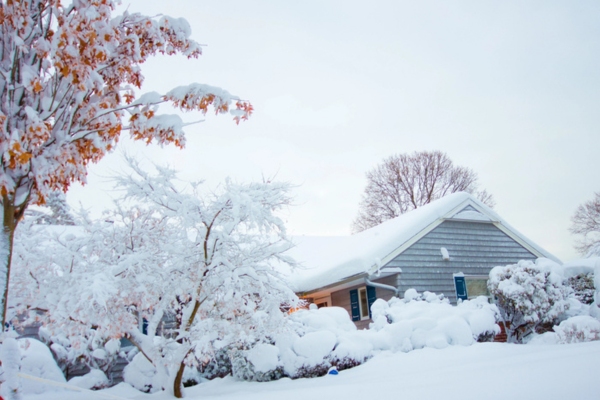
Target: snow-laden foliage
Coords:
[[528, 294], [578, 329], [429, 320], [326, 337], [319, 339], [179, 273], [56, 211], [583, 287], [93, 380], [69, 75]]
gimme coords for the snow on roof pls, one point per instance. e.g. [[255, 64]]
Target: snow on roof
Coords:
[[331, 259]]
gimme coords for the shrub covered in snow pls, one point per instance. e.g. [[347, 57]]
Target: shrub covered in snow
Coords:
[[583, 287], [578, 329], [429, 320], [29, 357], [93, 380], [318, 340], [529, 294]]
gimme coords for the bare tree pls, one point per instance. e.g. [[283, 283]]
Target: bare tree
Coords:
[[586, 222], [404, 182]]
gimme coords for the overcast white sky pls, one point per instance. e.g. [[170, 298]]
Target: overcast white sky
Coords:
[[510, 89]]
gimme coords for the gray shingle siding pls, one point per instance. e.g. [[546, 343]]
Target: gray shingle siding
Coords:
[[474, 248]]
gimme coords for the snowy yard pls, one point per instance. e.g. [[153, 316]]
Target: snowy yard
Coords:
[[481, 371]]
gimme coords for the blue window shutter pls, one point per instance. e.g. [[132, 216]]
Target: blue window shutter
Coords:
[[461, 287], [371, 297], [354, 305]]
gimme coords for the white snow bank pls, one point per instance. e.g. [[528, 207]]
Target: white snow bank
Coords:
[[37, 360]]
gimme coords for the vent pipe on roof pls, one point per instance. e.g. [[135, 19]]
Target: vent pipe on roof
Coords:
[[445, 254]]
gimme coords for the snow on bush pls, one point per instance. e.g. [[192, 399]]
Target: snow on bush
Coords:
[[429, 320], [29, 357], [317, 340], [141, 374], [95, 379], [578, 329], [10, 362], [327, 337], [529, 294], [583, 287]]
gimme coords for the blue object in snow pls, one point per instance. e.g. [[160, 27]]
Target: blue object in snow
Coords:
[[333, 371]]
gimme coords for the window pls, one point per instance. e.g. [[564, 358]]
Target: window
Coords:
[[477, 286], [361, 300], [471, 286], [363, 303], [323, 302]]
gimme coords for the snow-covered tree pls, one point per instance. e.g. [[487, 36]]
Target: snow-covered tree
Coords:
[[205, 262], [586, 223], [68, 78], [528, 293]]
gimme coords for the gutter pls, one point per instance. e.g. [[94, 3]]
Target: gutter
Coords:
[[382, 286]]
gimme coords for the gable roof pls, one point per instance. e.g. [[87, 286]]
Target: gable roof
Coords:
[[331, 259]]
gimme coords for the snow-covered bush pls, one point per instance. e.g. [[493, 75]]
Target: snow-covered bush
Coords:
[[29, 357], [93, 380], [583, 287], [318, 340], [578, 329], [528, 294], [429, 320]]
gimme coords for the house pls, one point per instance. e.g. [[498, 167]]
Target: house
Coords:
[[448, 246]]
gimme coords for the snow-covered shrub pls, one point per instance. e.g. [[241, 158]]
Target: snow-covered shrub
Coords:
[[91, 350], [318, 340], [583, 287], [259, 364], [429, 320], [93, 380], [10, 363], [578, 329], [35, 360], [141, 374], [216, 366], [528, 294]]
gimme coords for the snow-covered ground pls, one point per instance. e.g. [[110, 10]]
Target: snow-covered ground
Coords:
[[481, 371]]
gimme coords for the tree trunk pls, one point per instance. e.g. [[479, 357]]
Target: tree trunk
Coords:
[[177, 383], [9, 225]]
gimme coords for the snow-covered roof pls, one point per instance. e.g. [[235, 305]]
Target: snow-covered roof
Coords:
[[331, 259]]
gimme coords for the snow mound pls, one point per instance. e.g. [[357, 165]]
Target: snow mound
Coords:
[[37, 360]]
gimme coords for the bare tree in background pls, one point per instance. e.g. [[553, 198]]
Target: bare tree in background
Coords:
[[586, 222], [404, 182]]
